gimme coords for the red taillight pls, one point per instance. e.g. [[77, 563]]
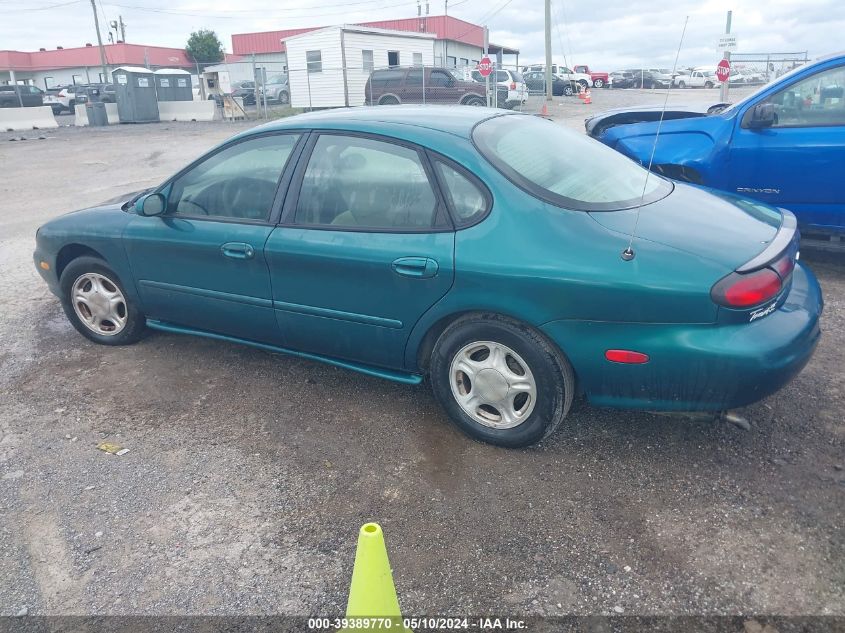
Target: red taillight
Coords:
[[747, 290], [784, 265], [626, 356], [513, 85]]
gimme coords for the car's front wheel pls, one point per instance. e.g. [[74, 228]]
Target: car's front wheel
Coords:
[[96, 303], [500, 381], [568, 91], [598, 83]]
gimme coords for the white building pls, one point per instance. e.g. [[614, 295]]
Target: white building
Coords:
[[330, 67]]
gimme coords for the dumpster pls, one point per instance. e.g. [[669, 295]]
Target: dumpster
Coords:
[[136, 94], [173, 84]]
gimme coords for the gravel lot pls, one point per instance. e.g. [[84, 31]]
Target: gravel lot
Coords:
[[250, 473]]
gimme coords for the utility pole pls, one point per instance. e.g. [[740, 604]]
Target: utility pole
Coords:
[[446, 40], [549, 84], [100, 43], [723, 89], [122, 28]]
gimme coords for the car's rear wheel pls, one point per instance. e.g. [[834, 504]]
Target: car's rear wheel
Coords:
[[97, 305], [598, 83], [708, 84], [682, 84], [500, 381], [583, 84], [388, 101], [474, 101], [284, 97], [568, 90]]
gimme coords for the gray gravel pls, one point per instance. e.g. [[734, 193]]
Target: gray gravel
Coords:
[[249, 473]]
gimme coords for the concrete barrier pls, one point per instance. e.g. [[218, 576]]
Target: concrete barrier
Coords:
[[39, 118], [81, 116], [186, 110]]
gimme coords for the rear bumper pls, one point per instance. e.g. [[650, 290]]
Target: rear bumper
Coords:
[[706, 367]]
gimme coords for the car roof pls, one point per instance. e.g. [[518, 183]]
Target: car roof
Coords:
[[456, 120]]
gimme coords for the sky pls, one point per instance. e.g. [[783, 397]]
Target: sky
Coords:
[[605, 34]]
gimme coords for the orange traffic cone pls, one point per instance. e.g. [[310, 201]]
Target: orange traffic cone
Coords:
[[545, 110], [587, 97], [581, 93]]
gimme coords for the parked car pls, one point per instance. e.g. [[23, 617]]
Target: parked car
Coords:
[[277, 89], [512, 80], [698, 78], [536, 82], [621, 79], [783, 145], [415, 84], [599, 79], [13, 96], [583, 80], [244, 90], [364, 238], [64, 98], [650, 79]]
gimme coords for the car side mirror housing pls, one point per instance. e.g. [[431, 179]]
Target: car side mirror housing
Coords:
[[151, 205], [762, 115]]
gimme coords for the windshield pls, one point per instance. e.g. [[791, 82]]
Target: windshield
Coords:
[[563, 168]]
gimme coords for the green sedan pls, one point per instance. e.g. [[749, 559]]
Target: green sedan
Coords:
[[512, 262]]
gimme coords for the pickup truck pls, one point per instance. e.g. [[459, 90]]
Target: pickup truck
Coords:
[[600, 80], [698, 78], [783, 145]]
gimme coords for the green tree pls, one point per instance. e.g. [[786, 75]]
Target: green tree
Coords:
[[204, 47]]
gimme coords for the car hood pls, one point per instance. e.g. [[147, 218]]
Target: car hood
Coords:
[[727, 229], [598, 124]]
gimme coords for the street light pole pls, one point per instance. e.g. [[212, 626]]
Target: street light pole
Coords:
[[100, 43]]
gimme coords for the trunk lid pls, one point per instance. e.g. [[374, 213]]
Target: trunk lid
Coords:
[[721, 227]]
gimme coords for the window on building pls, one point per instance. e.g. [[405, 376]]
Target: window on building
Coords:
[[77, 79], [392, 58], [418, 59], [464, 61], [451, 61], [103, 79], [49, 82], [367, 61], [314, 61]]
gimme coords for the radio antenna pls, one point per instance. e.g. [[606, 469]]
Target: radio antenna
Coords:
[[628, 253]]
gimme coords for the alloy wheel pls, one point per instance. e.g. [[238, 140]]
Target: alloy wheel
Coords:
[[493, 384], [99, 304]]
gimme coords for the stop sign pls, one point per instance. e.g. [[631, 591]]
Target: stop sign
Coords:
[[485, 67], [723, 70]]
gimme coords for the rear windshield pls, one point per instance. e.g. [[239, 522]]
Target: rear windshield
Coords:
[[564, 168]]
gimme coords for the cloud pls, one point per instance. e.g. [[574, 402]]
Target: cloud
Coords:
[[606, 35]]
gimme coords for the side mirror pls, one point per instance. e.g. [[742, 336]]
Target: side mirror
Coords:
[[762, 115], [151, 205]]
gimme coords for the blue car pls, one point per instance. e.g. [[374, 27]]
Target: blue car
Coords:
[[459, 245], [783, 145]]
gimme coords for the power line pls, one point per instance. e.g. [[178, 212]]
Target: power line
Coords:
[[52, 6], [245, 15]]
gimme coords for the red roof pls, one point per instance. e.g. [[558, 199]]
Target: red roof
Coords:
[[116, 55], [445, 27]]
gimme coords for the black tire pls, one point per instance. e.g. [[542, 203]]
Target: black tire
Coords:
[[474, 101], [388, 100], [682, 84], [598, 83], [553, 375], [135, 322], [284, 97], [708, 84], [568, 90], [583, 83]]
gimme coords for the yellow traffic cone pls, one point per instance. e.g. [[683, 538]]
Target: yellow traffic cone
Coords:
[[371, 593]]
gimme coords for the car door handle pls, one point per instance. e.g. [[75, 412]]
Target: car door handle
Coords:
[[419, 267], [237, 250]]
